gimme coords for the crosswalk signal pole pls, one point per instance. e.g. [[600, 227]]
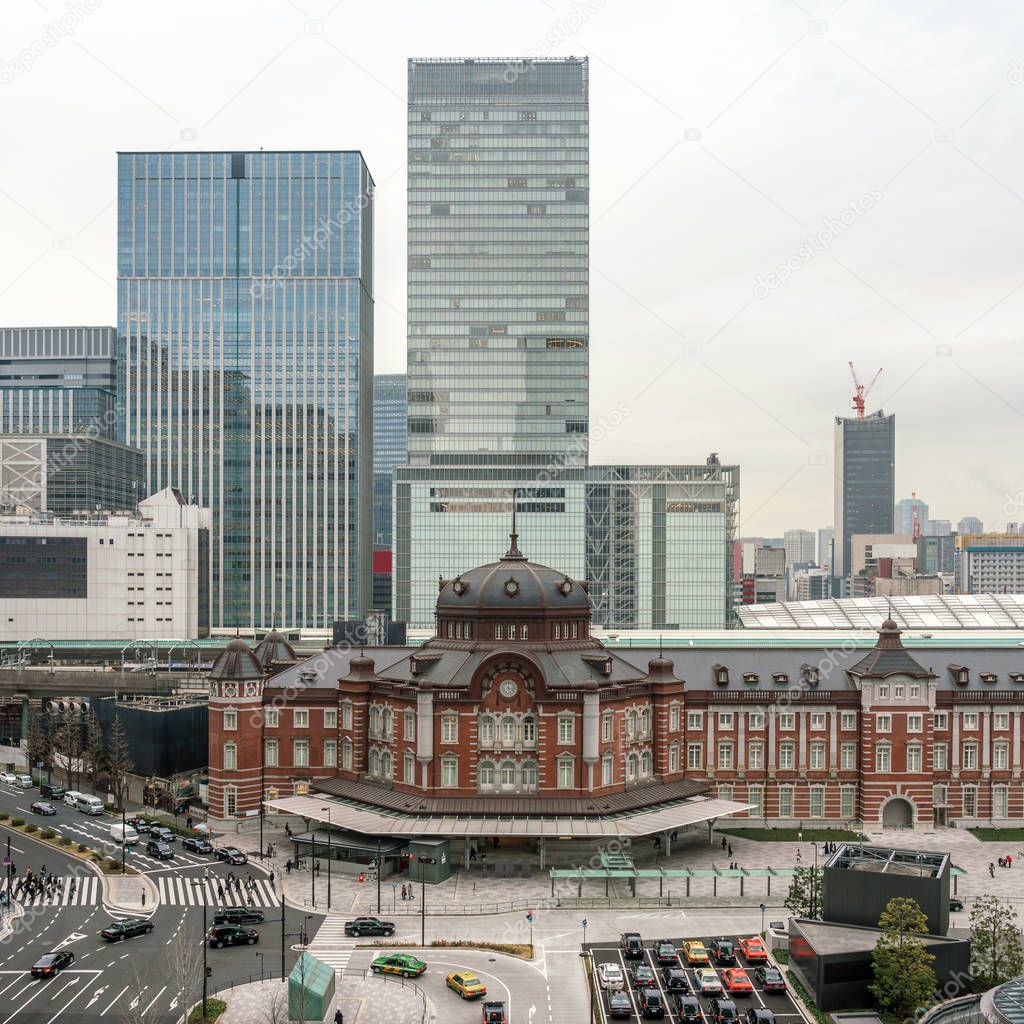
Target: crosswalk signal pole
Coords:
[[124, 841], [282, 931]]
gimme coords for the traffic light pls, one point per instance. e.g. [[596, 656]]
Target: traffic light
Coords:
[[209, 972], [362, 877]]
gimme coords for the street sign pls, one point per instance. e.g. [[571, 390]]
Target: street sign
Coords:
[[584, 922], [529, 915], [763, 908]]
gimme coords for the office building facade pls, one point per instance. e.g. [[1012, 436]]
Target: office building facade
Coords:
[[970, 524], [826, 538], [57, 380], [652, 541], [910, 513], [498, 247], [389, 448], [245, 320], [799, 546], [989, 563], [865, 466]]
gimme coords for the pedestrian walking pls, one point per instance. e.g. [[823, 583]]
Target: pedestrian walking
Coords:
[[288, 866], [250, 900], [339, 1017], [143, 893], [188, 821], [730, 849], [271, 879], [220, 891], [724, 842], [403, 891]]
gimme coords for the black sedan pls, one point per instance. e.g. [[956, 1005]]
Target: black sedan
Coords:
[[126, 929], [47, 966], [232, 855], [159, 850], [620, 1005], [238, 915], [221, 935], [369, 926], [665, 952], [674, 979], [162, 833], [197, 844], [43, 807], [770, 979]]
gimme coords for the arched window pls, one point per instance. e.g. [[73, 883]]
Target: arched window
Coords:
[[389, 722], [449, 771], [508, 730], [409, 767], [375, 762], [645, 722], [486, 731], [385, 765], [566, 772], [632, 723], [346, 754], [485, 774], [230, 757], [558, 631], [529, 775], [645, 764], [508, 773], [607, 770], [524, 631], [632, 767], [529, 730]]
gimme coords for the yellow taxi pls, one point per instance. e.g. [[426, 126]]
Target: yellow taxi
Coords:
[[466, 983], [695, 953]]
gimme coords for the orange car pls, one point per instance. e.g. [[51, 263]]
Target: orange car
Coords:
[[736, 982], [754, 950]]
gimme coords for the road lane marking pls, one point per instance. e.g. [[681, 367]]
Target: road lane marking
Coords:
[[114, 1000]]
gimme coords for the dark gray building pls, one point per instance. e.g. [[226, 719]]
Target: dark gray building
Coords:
[[389, 450], [58, 380], [865, 473]]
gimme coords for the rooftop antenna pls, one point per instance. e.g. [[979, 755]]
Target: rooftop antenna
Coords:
[[661, 645], [513, 551]]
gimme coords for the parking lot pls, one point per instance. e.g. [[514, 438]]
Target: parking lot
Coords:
[[779, 1003]]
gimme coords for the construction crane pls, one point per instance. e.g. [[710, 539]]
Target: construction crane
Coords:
[[860, 391]]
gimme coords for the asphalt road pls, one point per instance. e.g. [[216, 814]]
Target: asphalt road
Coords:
[[107, 978]]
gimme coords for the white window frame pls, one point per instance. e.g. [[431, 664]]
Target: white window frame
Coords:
[[787, 721], [330, 753], [915, 757], [883, 723], [817, 722], [330, 718], [674, 717], [970, 760], [270, 718], [230, 720], [755, 756], [817, 756], [695, 720], [786, 798], [816, 805], [1001, 721], [725, 720], [565, 768], [847, 801], [848, 756], [566, 729], [915, 723], [409, 726], [883, 758], [300, 718], [694, 756], [449, 727], [755, 720], [607, 724], [725, 756], [230, 756], [1001, 756], [787, 755], [607, 769], [300, 753], [970, 720], [346, 714], [940, 720], [271, 753], [848, 720], [449, 771], [940, 757]]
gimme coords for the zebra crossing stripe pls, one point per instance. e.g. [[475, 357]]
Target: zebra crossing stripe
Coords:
[[177, 891], [85, 895]]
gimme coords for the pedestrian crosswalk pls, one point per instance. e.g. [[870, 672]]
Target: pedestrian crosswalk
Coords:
[[331, 945], [194, 892], [85, 893]]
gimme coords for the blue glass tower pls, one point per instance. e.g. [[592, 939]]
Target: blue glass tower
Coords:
[[245, 349]]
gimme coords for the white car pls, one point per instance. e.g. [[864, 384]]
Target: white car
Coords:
[[611, 977], [8, 777], [707, 983]]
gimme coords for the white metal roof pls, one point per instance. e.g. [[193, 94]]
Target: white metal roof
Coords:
[[373, 822]]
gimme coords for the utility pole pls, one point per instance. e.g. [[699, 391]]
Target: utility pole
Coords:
[[124, 841], [378, 874], [423, 897], [196, 883], [282, 930]]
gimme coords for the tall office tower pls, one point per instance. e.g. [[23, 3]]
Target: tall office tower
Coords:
[[498, 213], [800, 547], [938, 528], [389, 448], [826, 537], [865, 471], [905, 513], [245, 320], [58, 380], [969, 524]]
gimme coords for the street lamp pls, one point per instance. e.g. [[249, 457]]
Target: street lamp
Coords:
[[197, 883], [260, 955], [378, 874], [124, 841], [328, 810], [814, 883], [423, 897]]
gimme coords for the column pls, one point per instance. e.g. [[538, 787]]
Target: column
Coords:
[[986, 741], [1015, 758], [833, 740], [542, 849], [741, 740], [711, 742], [424, 733], [591, 734], [802, 742], [772, 714], [955, 744]]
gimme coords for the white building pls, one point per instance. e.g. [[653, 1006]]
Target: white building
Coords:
[[800, 546], [990, 563], [107, 576]]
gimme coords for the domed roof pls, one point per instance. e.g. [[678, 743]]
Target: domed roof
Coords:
[[274, 649], [513, 585], [236, 661]]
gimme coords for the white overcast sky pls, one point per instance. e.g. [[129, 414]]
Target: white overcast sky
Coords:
[[722, 134]]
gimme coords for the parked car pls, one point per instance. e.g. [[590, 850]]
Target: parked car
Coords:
[[620, 1005], [159, 850], [43, 807], [466, 984], [759, 1015], [221, 935], [126, 928], [651, 1004], [610, 976], [665, 952], [71, 797], [955, 903], [723, 951], [10, 778], [723, 1011], [51, 791], [706, 982], [737, 982], [673, 979], [643, 976], [754, 949], [369, 926], [238, 915], [231, 855], [25, 782], [50, 964], [695, 953], [687, 1009], [770, 979], [402, 964], [631, 945]]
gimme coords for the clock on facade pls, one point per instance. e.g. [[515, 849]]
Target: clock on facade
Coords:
[[508, 688], [511, 587]]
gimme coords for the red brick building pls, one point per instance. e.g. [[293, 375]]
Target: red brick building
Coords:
[[514, 700]]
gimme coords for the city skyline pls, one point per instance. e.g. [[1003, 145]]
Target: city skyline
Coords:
[[721, 181]]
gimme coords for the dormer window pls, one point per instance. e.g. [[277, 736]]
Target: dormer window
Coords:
[[721, 675], [751, 678], [781, 678], [988, 677], [1017, 677], [811, 674], [961, 674]]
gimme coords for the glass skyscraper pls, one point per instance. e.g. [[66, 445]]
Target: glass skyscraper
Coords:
[[389, 448], [865, 471], [245, 322], [56, 380], [498, 244]]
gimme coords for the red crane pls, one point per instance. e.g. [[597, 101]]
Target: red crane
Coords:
[[861, 391]]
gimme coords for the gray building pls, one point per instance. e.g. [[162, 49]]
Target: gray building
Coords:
[[57, 380], [389, 449], [970, 524], [653, 541], [826, 538], [865, 466], [70, 474], [245, 320], [498, 247], [904, 515], [799, 547]]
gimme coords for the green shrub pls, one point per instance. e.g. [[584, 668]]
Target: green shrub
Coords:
[[81, 847], [64, 840], [47, 833], [98, 857], [17, 822], [214, 1008], [31, 827]]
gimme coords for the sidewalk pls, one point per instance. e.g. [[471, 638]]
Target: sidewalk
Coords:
[[471, 889], [133, 894]]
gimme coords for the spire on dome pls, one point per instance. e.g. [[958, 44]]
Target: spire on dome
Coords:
[[513, 554]]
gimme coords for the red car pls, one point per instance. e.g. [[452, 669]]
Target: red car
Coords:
[[754, 950], [736, 981]]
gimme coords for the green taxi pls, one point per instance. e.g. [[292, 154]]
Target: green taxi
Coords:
[[398, 963]]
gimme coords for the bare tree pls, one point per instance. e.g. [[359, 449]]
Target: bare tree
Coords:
[[186, 968], [38, 742], [119, 760], [94, 752], [274, 1004], [135, 1001], [67, 746]]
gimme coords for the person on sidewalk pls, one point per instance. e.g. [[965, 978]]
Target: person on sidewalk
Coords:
[[339, 1017], [271, 879]]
